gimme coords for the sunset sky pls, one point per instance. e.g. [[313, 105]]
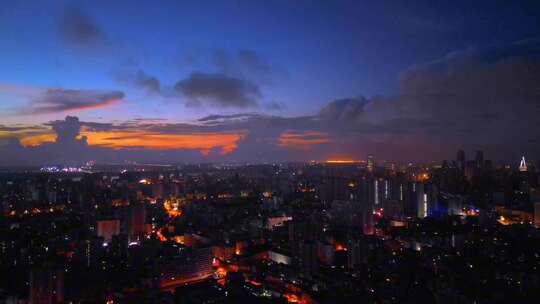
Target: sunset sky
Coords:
[[177, 81]]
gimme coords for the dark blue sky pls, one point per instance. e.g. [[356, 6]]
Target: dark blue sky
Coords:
[[180, 60]]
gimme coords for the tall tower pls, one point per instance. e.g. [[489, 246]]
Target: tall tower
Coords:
[[523, 165], [370, 162]]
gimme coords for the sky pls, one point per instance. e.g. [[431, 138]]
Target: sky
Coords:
[[211, 81]]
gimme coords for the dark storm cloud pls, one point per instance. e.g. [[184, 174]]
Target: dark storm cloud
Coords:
[[218, 89], [474, 99], [478, 99], [64, 100], [66, 130], [77, 28], [68, 146], [234, 79]]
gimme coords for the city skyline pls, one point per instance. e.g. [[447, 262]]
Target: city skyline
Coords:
[[280, 81], [270, 151]]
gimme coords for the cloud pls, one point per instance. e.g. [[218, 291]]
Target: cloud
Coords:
[[66, 130], [134, 76], [248, 64], [221, 119], [477, 99], [302, 139], [147, 82], [219, 78], [347, 109], [10, 143], [470, 100], [78, 29], [20, 128], [241, 63], [143, 139], [253, 62], [275, 106], [13, 134], [67, 100], [218, 89]]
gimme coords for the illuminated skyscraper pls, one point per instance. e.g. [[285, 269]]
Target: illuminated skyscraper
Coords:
[[370, 162], [523, 165], [422, 200]]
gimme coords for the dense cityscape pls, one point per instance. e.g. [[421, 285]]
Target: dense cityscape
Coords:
[[460, 231], [269, 151]]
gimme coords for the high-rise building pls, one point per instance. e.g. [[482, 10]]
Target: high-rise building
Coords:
[[370, 162], [309, 262], [190, 265], [479, 159], [136, 220], [423, 200], [46, 284], [92, 249], [158, 190], [108, 228], [461, 160], [356, 253], [326, 253], [537, 215]]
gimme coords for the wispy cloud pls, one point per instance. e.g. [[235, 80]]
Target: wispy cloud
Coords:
[[66, 100], [303, 139], [78, 29]]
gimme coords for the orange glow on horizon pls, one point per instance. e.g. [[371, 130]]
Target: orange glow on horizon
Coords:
[[30, 137], [152, 140], [130, 139], [342, 161], [36, 140]]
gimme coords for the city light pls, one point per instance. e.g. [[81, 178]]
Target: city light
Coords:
[[342, 161], [258, 152]]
